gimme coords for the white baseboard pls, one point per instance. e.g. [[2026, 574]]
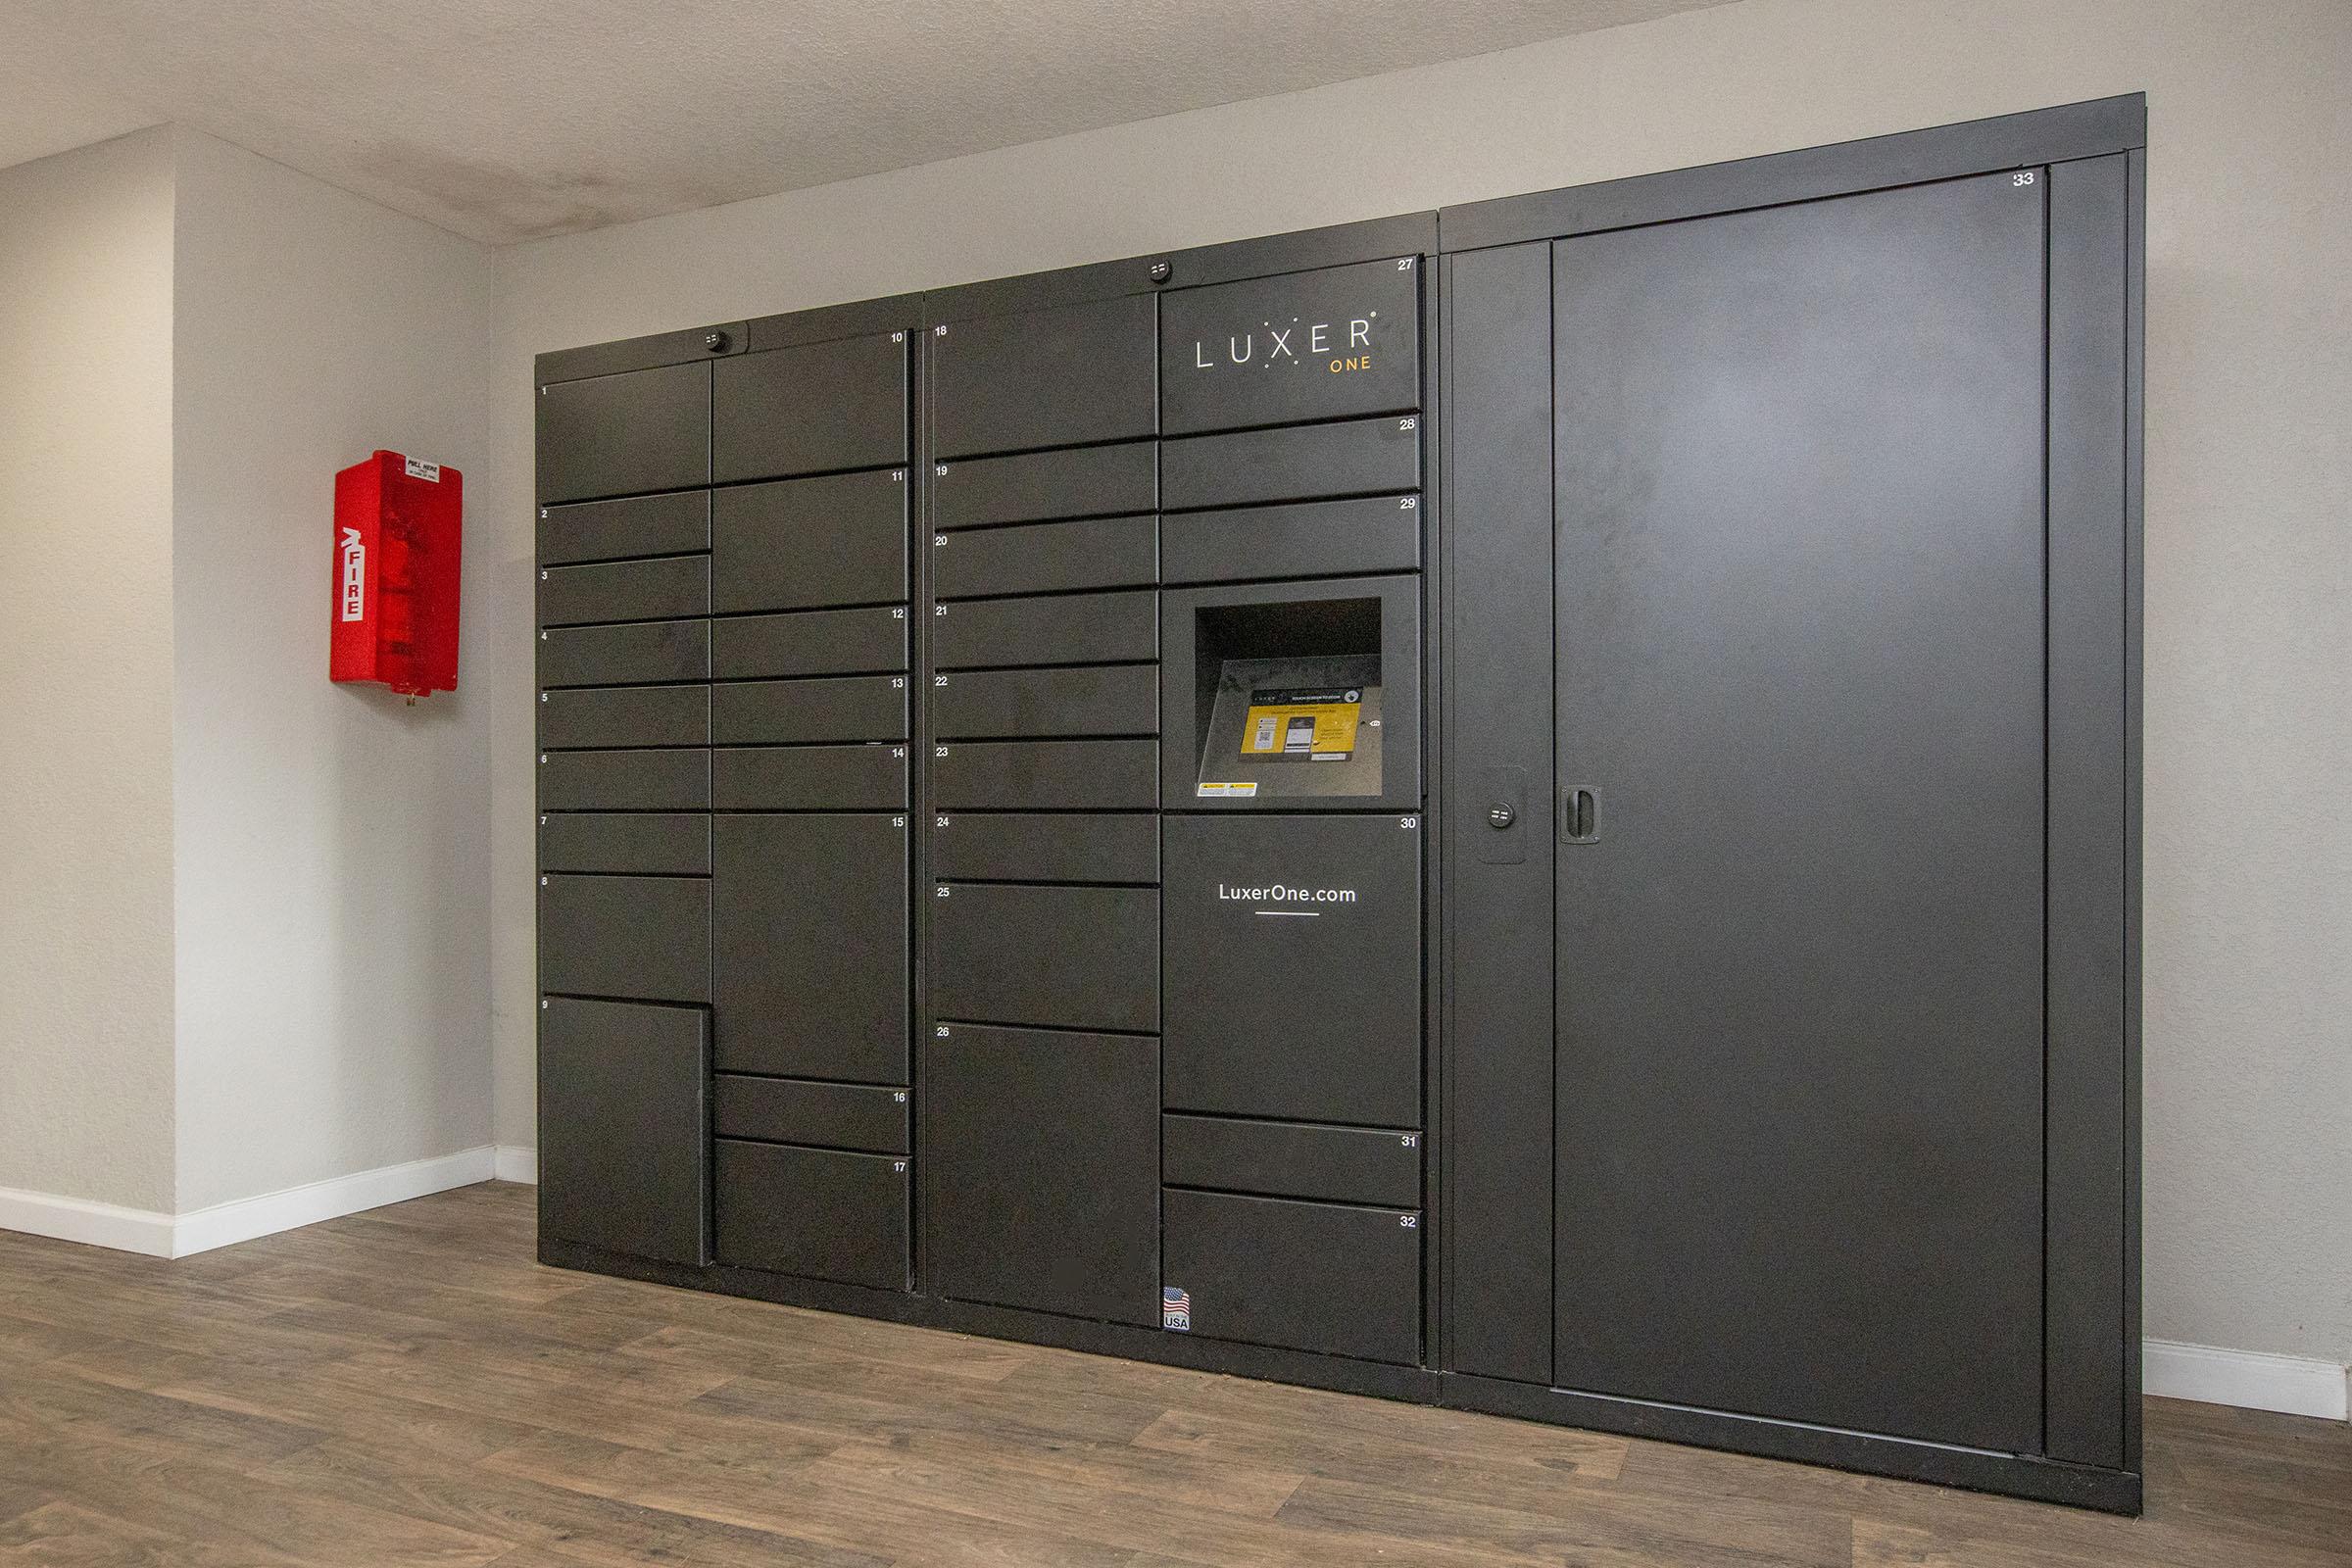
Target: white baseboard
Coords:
[[78, 1219], [160, 1235], [2253, 1380], [518, 1163], [226, 1224]]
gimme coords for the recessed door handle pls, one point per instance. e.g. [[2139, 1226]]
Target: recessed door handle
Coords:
[[1579, 814]]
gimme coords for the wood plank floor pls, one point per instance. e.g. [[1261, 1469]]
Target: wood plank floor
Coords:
[[408, 1385]]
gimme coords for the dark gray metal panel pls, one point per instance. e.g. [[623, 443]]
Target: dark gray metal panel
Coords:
[[1318, 539], [626, 590], [640, 353], [645, 937], [795, 1111], [853, 318], [624, 1121], [625, 715], [1331, 344], [1045, 776], [1342, 1281], [617, 435], [1496, 750], [1816, 432], [1065, 376], [817, 1212], [624, 781], [1042, 486], [1060, 629], [1293, 951], [646, 651], [810, 943], [1293, 1159], [1303, 621], [806, 543], [2004, 142], [810, 778], [1302, 463], [1044, 1153], [1077, 699], [2136, 290], [2085, 1372], [846, 707], [1074, 957], [1047, 558], [641, 525], [814, 408], [1050, 847], [1335, 245], [625, 843], [810, 642]]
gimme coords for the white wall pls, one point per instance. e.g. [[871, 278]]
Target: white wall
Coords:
[[332, 905], [85, 673], [2249, 556]]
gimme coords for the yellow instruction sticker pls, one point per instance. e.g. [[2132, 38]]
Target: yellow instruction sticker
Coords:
[[1316, 726]]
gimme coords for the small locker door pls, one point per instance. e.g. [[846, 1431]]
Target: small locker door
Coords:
[[1800, 708], [808, 944], [624, 434], [1059, 377]]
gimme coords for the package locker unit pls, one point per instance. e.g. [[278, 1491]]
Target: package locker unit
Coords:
[[1531, 807]]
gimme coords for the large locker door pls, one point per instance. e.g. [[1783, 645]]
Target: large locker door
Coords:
[[809, 949], [1799, 459]]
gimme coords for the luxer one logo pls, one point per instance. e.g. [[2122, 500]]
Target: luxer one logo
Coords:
[[352, 554], [1338, 348], [1276, 892]]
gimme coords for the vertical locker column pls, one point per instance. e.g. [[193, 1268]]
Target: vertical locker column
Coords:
[[1041, 1061], [1293, 1125], [811, 729], [624, 797]]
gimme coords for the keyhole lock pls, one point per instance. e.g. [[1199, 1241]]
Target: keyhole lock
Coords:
[[716, 342], [1500, 817]]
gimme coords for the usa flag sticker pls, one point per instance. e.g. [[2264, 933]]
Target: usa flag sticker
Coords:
[[1176, 1310]]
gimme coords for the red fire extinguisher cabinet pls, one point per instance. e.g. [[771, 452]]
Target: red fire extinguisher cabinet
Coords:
[[399, 523]]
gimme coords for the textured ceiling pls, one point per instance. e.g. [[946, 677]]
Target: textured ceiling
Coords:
[[504, 119]]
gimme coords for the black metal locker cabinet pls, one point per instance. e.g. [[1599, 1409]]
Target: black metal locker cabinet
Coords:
[[1292, 1039], [1639, 728], [812, 729], [624, 715], [1839, 639], [1829, 808]]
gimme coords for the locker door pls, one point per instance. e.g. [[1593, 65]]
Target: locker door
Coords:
[[624, 1126], [1043, 1152], [1799, 594], [617, 435], [809, 946], [1058, 377]]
